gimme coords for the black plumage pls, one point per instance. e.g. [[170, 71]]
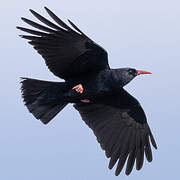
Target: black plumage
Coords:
[[116, 118]]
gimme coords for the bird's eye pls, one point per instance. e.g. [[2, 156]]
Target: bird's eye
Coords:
[[132, 71]]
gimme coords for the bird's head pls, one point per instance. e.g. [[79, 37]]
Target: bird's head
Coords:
[[127, 74]]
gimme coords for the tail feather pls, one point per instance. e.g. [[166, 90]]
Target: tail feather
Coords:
[[43, 99]]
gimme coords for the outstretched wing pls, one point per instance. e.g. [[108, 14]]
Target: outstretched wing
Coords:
[[120, 126], [68, 53]]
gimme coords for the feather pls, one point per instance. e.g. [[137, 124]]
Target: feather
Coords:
[[124, 152], [59, 21], [117, 149], [140, 157], [38, 26], [38, 33], [121, 163], [44, 20], [148, 151], [77, 29], [130, 162], [153, 142]]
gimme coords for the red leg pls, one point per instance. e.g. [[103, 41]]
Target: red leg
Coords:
[[79, 88], [85, 100]]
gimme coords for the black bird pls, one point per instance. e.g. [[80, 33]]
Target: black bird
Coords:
[[116, 118]]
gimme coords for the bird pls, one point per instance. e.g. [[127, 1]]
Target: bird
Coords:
[[94, 88]]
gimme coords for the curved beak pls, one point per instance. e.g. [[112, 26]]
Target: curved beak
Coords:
[[139, 72]]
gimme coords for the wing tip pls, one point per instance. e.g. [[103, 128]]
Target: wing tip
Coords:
[[18, 27], [155, 146], [69, 21], [128, 172], [117, 172], [153, 142], [24, 19], [31, 10], [45, 7], [48, 10], [149, 160]]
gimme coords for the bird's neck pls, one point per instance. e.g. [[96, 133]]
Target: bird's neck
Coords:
[[111, 80], [117, 79]]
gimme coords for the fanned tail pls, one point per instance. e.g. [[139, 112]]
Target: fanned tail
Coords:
[[43, 99]]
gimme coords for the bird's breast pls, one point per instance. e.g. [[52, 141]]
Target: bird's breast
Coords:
[[95, 86]]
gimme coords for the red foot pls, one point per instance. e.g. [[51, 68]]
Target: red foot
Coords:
[[85, 100], [78, 88]]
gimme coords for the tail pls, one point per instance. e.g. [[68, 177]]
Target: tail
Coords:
[[43, 99]]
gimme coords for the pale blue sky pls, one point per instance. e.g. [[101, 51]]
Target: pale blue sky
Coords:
[[136, 33]]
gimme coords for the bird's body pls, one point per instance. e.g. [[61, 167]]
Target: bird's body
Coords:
[[116, 118], [96, 85]]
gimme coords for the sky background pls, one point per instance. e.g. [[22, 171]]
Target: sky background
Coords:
[[136, 33]]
